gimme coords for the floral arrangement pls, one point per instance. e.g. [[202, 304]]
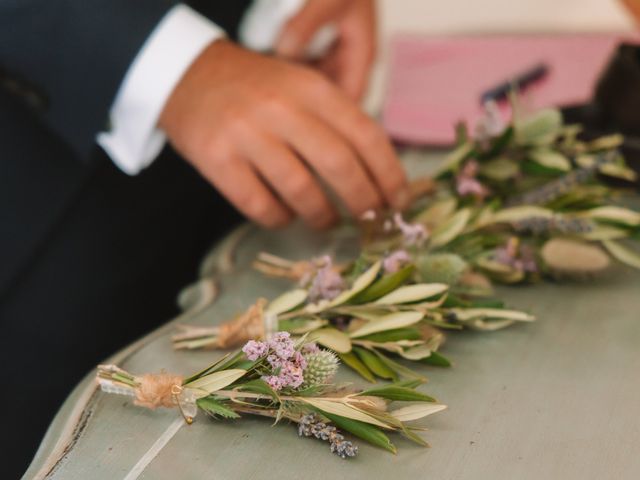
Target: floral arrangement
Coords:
[[367, 314], [517, 203], [282, 379], [522, 202]]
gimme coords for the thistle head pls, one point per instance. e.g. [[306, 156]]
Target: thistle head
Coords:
[[321, 367]]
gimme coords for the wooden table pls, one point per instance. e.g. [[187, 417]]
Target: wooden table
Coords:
[[559, 398]]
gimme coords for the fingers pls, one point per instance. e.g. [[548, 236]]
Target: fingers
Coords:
[[299, 31], [288, 176], [356, 49], [330, 156], [240, 184], [367, 138]]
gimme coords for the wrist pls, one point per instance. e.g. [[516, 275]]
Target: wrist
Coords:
[[209, 65]]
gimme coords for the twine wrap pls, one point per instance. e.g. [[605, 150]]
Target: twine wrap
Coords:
[[158, 390], [245, 327]]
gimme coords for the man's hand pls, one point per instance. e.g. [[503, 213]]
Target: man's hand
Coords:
[[349, 61], [258, 129]]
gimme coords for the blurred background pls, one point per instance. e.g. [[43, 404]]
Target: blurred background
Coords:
[[494, 16]]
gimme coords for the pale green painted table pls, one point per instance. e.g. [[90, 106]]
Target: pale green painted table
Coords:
[[556, 399]]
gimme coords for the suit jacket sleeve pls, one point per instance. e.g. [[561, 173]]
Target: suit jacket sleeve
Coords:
[[75, 52]]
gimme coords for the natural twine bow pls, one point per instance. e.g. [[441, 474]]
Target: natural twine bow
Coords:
[[245, 327], [161, 390], [158, 390]]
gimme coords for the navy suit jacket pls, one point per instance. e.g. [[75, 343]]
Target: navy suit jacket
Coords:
[[61, 63]]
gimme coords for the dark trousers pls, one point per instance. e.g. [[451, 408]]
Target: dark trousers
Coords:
[[107, 273]]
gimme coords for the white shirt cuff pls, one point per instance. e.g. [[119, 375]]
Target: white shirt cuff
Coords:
[[265, 19], [135, 139]]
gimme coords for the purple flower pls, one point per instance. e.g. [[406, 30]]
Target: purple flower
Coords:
[[467, 183], [291, 375], [327, 283], [282, 345], [521, 258], [254, 350], [395, 261], [299, 360], [413, 233], [274, 381], [274, 361], [310, 348]]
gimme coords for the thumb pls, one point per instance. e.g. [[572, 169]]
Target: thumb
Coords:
[[301, 28]]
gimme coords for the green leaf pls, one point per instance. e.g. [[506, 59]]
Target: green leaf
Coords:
[[399, 368], [417, 411], [403, 394], [215, 408], [258, 386], [450, 229], [618, 171], [498, 144], [208, 369], [622, 253], [287, 301], [384, 285], [606, 142], [337, 407], [614, 214], [299, 326], [455, 301], [352, 361], [413, 293], [245, 364], [362, 282], [437, 360], [517, 214], [486, 303], [362, 430], [374, 364], [531, 168], [539, 128], [393, 335], [419, 352], [500, 169], [408, 383], [605, 232], [388, 322], [455, 158], [498, 313], [551, 159], [437, 212], [213, 382], [331, 338], [229, 362], [414, 437]]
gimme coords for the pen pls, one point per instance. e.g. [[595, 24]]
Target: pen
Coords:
[[519, 82]]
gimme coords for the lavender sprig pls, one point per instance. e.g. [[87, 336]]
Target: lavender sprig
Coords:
[[311, 426]]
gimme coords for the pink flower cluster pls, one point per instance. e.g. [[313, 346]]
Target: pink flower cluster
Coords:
[[519, 257], [327, 284], [395, 261], [467, 183], [413, 233], [287, 364]]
